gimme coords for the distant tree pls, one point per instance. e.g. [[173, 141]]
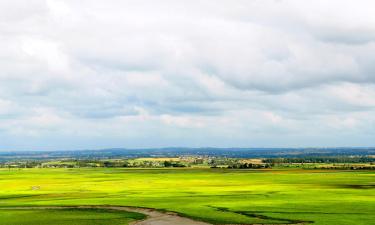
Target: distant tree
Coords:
[[107, 164], [167, 164]]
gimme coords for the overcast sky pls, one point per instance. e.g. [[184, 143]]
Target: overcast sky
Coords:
[[135, 73]]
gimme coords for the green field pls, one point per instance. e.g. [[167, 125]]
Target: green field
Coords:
[[66, 217], [213, 195]]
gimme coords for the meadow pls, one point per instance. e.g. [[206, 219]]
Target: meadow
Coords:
[[66, 217], [218, 196]]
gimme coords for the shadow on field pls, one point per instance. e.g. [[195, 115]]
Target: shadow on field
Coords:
[[357, 186], [254, 214]]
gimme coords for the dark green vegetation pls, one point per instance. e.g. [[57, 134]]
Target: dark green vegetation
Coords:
[[330, 159], [215, 195], [336, 162], [66, 217]]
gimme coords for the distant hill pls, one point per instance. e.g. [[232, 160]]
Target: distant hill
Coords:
[[180, 151]]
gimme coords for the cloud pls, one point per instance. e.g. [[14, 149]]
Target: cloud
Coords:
[[213, 73]]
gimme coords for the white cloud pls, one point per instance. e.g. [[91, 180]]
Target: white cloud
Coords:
[[217, 72]]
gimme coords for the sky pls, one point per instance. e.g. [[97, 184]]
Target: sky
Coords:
[[93, 74]]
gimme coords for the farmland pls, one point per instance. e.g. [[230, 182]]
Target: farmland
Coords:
[[219, 196]]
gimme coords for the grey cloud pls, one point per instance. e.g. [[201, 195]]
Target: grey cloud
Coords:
[[347, 36]]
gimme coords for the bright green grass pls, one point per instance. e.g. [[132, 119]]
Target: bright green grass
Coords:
[[213, 195], [66, 217]]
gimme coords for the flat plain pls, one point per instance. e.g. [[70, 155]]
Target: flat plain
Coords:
[[218, 196]]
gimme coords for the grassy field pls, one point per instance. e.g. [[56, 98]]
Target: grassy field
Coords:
[[66, 217], [213, 195]]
